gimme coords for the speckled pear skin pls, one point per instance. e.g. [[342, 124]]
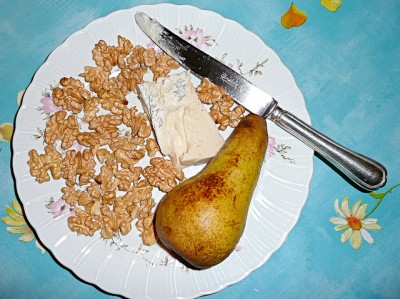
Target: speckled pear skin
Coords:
[[203, 218]]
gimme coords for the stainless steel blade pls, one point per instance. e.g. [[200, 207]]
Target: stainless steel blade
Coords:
[[204, 66], [365, 172]]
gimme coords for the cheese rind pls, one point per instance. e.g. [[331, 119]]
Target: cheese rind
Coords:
[[183, 128]]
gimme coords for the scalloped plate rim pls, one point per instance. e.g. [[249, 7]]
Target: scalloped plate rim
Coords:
[[17, 170]]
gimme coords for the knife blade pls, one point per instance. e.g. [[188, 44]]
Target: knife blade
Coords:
[[363, 171]]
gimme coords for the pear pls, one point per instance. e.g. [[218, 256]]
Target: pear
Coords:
[[203, 218]]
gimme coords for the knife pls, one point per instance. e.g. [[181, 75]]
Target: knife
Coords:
[[363, 171]]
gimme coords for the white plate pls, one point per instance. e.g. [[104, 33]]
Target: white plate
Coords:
[[125, 266]]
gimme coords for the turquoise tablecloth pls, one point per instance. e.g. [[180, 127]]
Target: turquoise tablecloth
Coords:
[[346, 64]]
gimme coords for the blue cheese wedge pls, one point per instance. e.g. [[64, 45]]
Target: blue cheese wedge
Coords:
[[184, 130]]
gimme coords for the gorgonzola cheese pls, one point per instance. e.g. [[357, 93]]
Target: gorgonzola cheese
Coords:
[[183, 128]]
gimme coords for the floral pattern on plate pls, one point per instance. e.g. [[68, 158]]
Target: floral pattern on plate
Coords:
[[106, 255]]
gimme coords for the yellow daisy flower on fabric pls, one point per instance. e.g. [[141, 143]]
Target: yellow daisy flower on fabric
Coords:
[[17, 224], [352, 222]]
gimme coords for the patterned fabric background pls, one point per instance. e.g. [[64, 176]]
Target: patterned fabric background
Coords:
[[344, 56]]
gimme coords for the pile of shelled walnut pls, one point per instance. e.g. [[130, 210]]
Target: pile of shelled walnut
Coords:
[[104, 184]]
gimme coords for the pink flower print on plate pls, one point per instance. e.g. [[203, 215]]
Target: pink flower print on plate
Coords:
[[155, 47], [76, 146], [271, 147], [59, 208], [48, 105], [195, 37]]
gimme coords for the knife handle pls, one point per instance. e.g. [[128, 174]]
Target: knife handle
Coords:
[[365, 172]]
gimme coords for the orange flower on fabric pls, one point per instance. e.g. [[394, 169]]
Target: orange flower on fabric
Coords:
[[294, 17], [353, 223]]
